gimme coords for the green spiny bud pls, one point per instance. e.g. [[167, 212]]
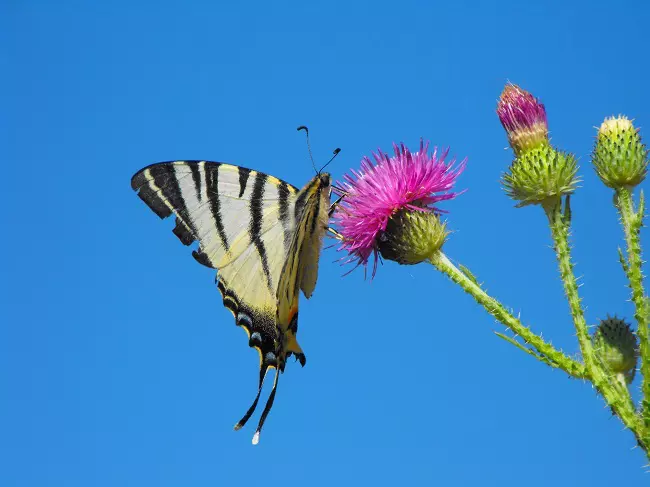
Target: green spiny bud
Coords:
[[540, 174], [619, 157], [616, 345], [412, 236]]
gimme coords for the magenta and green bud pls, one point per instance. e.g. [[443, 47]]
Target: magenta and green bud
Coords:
[[412, 237], [616, 345], [540, 175], [620, 157], [524, 118]]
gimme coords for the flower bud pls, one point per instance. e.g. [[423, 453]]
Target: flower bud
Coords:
[[524, 118], [540, 174], [412, 236], [616, 345], [619, 157]]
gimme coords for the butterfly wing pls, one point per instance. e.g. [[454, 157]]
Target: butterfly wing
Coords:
[[241, 221], [245, 223], [301, 267]]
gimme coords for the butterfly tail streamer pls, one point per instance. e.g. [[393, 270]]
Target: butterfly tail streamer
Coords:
[[240, 424], [267, 409]]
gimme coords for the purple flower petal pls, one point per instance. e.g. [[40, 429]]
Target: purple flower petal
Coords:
[[523, 116]]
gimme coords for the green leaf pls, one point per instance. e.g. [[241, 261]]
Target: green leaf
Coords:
[[469, 274], [621, 259], [514, 342]]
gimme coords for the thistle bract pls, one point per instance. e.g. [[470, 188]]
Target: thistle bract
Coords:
[[539, 175], [412, 237], [616, 345], [375, 194], [619, 157]]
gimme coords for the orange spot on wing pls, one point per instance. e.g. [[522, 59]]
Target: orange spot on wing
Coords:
[[293, 312]]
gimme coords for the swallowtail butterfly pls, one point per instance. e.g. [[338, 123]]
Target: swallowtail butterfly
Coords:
[[264, 237]]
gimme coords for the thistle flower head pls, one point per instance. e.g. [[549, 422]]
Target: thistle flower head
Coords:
[[389, 188], [617, 346], [539, 175], [619, 157], [523, 117]]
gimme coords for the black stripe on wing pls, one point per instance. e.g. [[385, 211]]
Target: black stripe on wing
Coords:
[[255, 230], [215, 204], [243, 179], [196, 177], [283, 201]]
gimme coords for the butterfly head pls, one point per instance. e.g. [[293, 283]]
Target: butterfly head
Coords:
[[325, 180]]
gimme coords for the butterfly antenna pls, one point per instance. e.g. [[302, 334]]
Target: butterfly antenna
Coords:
[[303, 127], [267, 408], [336, 153], [251, 409]]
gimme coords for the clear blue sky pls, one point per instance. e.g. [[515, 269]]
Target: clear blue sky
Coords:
[[119, 365]]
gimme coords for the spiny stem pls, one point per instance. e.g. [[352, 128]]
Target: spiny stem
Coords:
[[616, 396], [496, 309], [560, 233], [632, 223]]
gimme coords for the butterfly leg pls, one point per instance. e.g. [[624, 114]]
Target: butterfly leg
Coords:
[[335, 204], [331, 211], [336, 234]]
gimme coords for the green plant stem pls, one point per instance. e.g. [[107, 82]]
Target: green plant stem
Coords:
[[632, 223], [616, 396], [495, 308]]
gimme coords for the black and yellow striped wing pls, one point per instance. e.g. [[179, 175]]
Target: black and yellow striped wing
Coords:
[[253, 228]]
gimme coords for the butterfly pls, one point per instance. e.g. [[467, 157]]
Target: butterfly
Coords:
[[264, 237]]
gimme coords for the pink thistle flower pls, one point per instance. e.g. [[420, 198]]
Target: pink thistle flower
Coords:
[[523, 117], [376, 193]]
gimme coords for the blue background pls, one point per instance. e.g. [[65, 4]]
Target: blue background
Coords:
[[118, 364]]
